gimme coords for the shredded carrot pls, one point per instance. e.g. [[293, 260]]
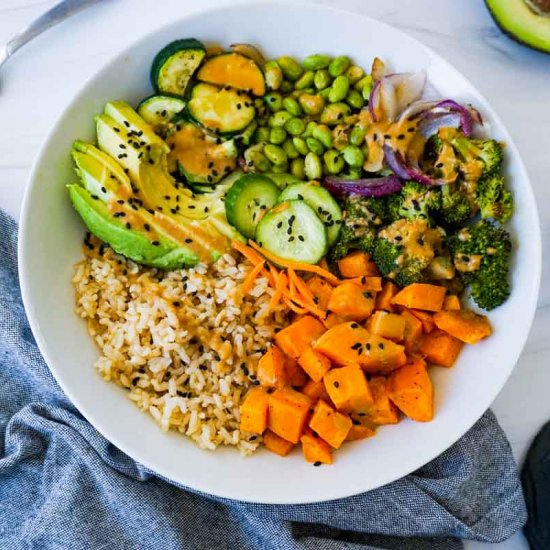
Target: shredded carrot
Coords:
[[280, 289], [301, 287], [294, 307], [251, 277], [247, 252], [314, 310], [298, 266]]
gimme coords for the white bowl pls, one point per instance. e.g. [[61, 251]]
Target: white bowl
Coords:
[[51, 239]]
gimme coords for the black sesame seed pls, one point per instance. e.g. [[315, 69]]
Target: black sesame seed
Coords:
[[318, 463], [355, 422], [387, 136], [151, 161], [439, 165], [256, 382], [279, 225], [128, 225], [120, 201], [290, 239], [117, 130], [401, 136], [188, 241], [301, 238], [381, 345], [367, 345], [155, 243], [354, 325], [411, 130], [336, 384]]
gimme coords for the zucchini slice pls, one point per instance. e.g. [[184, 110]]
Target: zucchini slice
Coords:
[[159, 110], [283, 180], [235, 70], [323, 204], [221, 110], [199, 157], [175, 64], [248, 200], [293, 231]]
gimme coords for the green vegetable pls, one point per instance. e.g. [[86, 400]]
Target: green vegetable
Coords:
[[305, 81], [277, 135], [261, 134], [414, 201], [290, 67], [159, 110], [481, 255], [311, 104], [273, 75], [311, 125], [322, 79], [295, 126], [322, 133], [290, 150], [354, 74], [315, 146], [455, 206], [334, 113], [316, 61], [339, 65], [339, 89], [301, 145], [279, 119], [357, 135], [255, 158], [274, 100], [333, 161], [312, 166], [355, 99], [292, 106], [489, 152], [297, 168], [362, 82], [353, 155], [279, 169], [275, 154], [494, 200]]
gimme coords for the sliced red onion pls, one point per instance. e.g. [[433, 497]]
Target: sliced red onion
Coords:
[[398, 165], [409, 89], [366, 187], [374, 100], [466, 120], [476, 115], [432, 123], [416, 109]]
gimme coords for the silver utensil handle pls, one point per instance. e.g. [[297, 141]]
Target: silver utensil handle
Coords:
[[58, 13]]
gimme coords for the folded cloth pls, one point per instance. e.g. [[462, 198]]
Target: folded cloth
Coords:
[[64, 486]]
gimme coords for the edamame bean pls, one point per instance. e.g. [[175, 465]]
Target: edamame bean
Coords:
[[357, 135], [353, 156], [355, 99], [366, 91], [311, 104], [256, 159], [339, 89], [322, 133], [301, 145], [286, 87], [313, 168], [309, 128], [365, 81], [305, 81], [315, 146], [325, 93], [290, 150], [354, 73], [292, 106], [292, 70], [316, 61], [274, 101], [277, 136], [338, 65], [297, 168], [333, 161], [354, 173], [295, 126], [279, 119], [334, 113], [280, 168], [273, 75], [275, 154], [322, 79], [261, 134]]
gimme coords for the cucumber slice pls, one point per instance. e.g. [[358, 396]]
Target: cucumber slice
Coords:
[[221, 110], [159, 110], [323, 204], [248, 200], [175, 64], [282, 180], [293, 231]]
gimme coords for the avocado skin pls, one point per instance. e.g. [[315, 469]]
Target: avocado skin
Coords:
[[513, 36]]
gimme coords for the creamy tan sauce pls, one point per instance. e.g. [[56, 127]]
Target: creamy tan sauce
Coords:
[[466, 263]]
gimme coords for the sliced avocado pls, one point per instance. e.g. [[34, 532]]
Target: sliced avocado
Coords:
[[525, 21]]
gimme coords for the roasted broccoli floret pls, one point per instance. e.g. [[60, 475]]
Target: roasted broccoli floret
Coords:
[[405, 248], [414, 201], [481, 157], [494, 200], [455, 209], [481, 254], [351, 238]]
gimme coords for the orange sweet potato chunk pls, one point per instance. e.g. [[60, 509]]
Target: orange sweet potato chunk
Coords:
[[440, 348], [383, 300], [330, 425], [342, 342], [421, 296], [413, 331], [411, 389], [387, 325], [359, 431], [452, 302], [277, 444], [271, 370], [351, 302], [314, 363], [299, 336], [288, 413], [315, 450], [332, 320], [464, 325], [315, 390], [383, 411], [425, 318], [381, 356], [367, 283], [321, 291], [357, 264], [348, 389], [295, 374], [254, 411]]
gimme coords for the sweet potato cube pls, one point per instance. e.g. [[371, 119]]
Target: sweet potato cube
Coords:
[[357, 264], [342, 343], [332, 320], [425, 318], [413, 331], [288, 413], [315, 390], [351, 302], [384, 298], [299, 336], [383, 411], [359, 431], [452, 302], [321, 291], [277, 444], [440, 348], [330, 425], [315, 450], [388, 325], [271, 370], [464, 325], [381, 356], [295, 374], [348, 389], [254, 411], [314, 363], [367, 283], [421, 296], [411, 389]]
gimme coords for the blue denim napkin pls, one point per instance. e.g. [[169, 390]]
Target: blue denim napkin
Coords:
[[63, 486]]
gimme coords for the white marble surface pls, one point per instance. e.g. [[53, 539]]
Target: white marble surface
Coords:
[[40, 79]]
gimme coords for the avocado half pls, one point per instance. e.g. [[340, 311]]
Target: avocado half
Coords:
[[525, 21]]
